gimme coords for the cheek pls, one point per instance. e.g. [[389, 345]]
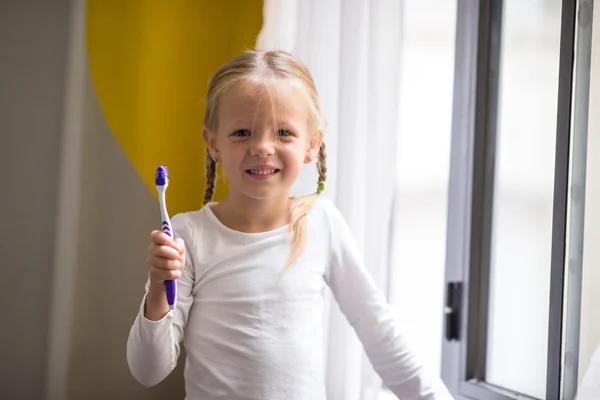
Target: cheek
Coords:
[[293, 156], [230, 163], [232, 153]]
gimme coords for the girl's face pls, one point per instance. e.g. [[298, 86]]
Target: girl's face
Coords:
[[264, 136]]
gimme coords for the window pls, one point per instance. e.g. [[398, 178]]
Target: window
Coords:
[[520, 244]]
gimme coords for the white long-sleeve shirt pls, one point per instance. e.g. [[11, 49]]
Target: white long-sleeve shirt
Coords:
[[251, 333]]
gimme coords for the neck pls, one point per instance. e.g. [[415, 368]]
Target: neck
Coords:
[[251, 215]]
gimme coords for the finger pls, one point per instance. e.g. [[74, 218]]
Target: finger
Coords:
[[164, 275], [163, 263], [181, 259], [164, 252], [180, 244], [161, 238]]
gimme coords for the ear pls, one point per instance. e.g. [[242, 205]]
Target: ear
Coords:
[[312, 151], [210, 142]]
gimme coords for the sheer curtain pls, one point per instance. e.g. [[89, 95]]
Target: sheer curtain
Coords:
[[352, 48]]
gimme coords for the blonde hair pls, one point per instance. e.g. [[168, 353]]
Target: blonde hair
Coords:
[[261, 67]]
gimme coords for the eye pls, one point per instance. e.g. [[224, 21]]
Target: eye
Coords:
[[284, 133], [241, 133]]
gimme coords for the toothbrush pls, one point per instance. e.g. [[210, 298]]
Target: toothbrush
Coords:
[[162, 182]]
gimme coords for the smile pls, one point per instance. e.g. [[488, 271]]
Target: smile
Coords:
[[262, 173]]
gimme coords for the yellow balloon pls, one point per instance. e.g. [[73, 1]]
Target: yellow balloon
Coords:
[[150, 62]]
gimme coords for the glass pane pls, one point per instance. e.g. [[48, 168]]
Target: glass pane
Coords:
[[523, 196], [589, 338]]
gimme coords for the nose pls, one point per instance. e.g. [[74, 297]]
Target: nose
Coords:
[[263, 144]]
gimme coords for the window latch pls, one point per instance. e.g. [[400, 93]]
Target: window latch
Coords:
[[452, 310]]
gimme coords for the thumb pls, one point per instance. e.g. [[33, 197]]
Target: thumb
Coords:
[[180, 244]]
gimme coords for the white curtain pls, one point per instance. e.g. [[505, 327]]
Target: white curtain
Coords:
[[352, 48]]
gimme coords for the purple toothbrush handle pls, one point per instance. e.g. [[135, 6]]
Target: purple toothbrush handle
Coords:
[[171, 288], [170, 285]]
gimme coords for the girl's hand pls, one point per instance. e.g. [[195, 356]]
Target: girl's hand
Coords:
[[166, 258], [165, 261]]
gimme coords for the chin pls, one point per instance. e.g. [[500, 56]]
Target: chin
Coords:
[[264, 194]]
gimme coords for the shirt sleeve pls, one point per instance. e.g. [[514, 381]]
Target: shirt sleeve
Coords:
[[153, 346], [368, 312]]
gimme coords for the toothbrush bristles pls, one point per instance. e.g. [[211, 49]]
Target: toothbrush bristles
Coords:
[[162, 175]]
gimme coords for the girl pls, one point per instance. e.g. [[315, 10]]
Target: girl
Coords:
[[251, 269]]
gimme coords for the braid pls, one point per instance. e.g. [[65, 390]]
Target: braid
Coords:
[[322, 168], [300, 208], [211, 173]]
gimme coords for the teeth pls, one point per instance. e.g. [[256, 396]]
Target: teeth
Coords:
[[262, 171]]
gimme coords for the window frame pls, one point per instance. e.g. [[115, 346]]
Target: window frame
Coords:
[[571, 322]]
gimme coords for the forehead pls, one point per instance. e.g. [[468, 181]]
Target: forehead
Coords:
[[281, 99]]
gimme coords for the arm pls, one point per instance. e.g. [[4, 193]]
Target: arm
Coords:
[[153, 343], [368, 312]]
